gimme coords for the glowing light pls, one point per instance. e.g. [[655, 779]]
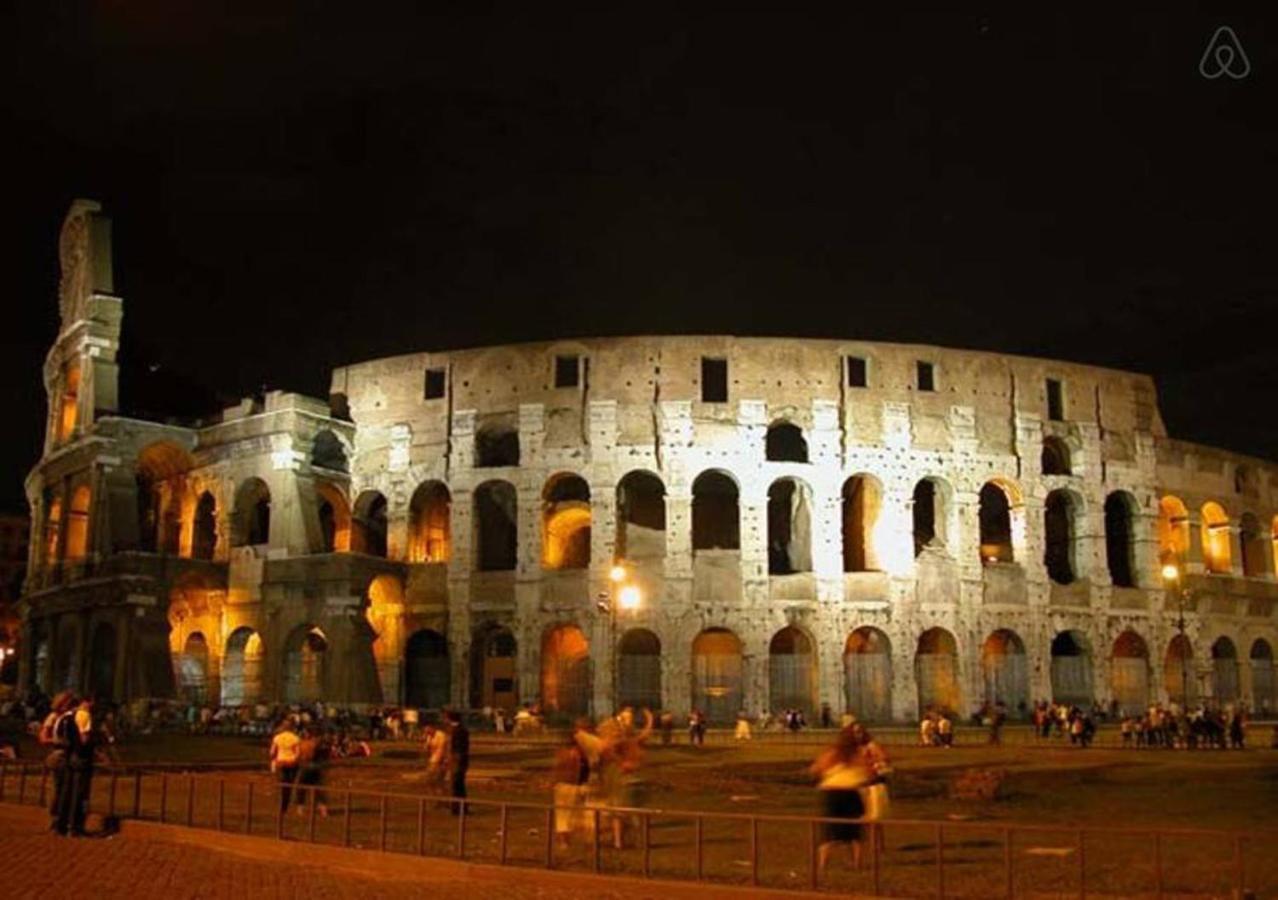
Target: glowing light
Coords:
[[617, 574], [1170, 572], [629, 598]]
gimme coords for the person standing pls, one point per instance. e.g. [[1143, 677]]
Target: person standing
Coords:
[[843, 770], [742, 732], [285, 757], [568, 791], [458, 759], [58, 744], [74, 733], [313, 754], [436, 759]]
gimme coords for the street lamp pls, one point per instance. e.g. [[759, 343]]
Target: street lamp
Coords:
[[1171, 578], [621, 595]]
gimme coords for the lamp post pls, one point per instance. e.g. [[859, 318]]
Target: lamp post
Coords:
[[621, 595], [1171, 578]]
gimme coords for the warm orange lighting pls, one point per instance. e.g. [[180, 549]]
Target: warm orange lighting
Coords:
[[70, 402], [629, 597], [1170, 572], [617, 574]]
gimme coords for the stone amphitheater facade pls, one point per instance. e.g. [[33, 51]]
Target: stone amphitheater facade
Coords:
[[713, 521]]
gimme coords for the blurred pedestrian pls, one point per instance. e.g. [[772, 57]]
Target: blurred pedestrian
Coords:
[[843, 770], [458, 759], [285, 758], [314, 752]]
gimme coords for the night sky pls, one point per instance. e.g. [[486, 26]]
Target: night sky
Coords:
[[291, 193]]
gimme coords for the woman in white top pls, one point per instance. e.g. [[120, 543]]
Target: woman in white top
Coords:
[[843, 770]]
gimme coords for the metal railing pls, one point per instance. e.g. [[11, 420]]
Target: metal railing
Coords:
[[400, 822]]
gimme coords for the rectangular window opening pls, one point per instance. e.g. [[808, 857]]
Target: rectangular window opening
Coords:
[[434, 384], [1055, 401], [714, 380], [926, 376], [857, 372], [567, 371]]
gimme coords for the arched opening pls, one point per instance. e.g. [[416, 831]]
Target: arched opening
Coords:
[[716, 521], [789, 527], [1252, 546], [327, 452], [385, 616], [251, 520], [1120, 540], [496, 532], [641, 517], [936, 671], [52, 528], [565, 671], [1060, 513], [1224, 671], [204, 529], [1173, 528], [1263, 696], [496, 446], [1005, 672], [66, 659], [78, 525], [159, 478], [427, 677], [1072, 669], [334, 518], [102, 662], [862, 502], [996, 524], [430, 535], [69, 410], [792, 672], [565, 523], [867, 674], [785, 443], [305, 654], [242, 668], [716, 675], [193, 669], [1215, 534], [368, 528], [1055, 459], [492, 668], [928, 513], [639, 669], [1129, 673], [1178, 671]]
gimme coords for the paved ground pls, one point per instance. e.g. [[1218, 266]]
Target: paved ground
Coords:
[[149, 860]]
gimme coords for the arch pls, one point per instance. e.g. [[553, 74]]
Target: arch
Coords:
[[1173, 528], [929, 511], [493, 653], [328, 452], [52, 529], [158, 475], [1055, 459], [1216, 538], [251, 519], [1061, 512], [792, 671], [1252, 546], [1120, 538], [368, 524], [996, 523], [430, 523], [639, 669], [717, 675], [1072, 669], [784, 442], [1178, 675], [1264, 698], [867, 674], [334, 518], [641, 516], [936, 672], [77, 541], [496, 445], [716, 516], [496, 526], [305, 657], [69, 408], [193, 669], [204, 528], [565, 671], [427, 673], [1005, 671], [1129, 673], [1224, 671], [862, 503], [789, 527], [565, 522], [102, 655]]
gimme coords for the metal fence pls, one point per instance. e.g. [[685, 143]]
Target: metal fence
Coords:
[[905, 857]]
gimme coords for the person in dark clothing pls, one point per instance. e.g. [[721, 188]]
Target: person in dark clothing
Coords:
[[458, 758], [74, 732]]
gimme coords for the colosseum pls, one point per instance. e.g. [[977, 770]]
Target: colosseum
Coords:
[[708, 522]]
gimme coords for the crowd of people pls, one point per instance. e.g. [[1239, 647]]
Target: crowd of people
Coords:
[[1198, 728]]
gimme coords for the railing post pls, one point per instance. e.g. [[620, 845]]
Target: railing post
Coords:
[[221, 804], [813, 874], [381, 824], [1082, 864], [137, 794], [310, 824], [421, 826], [940, 860], [1240, 870], [505, 821], [1008, 875], [550, 837], [595, 853], [461, 829], [110, 800], [22, 783], [279, 812], [164, 795], [248, 810], [190, 802], [647, 845], [754, 851], [346, 822], [1158, 865], [700, 847]]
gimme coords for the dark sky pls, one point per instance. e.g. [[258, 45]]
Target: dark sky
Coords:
[[292, 193]]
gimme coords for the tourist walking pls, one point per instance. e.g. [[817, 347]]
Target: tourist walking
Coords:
[[843, 770], [945, 731], [285, 757], [313, 754], [742, 731], [436, 759], [568, 792], [458, 759]]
